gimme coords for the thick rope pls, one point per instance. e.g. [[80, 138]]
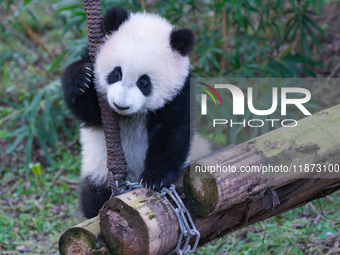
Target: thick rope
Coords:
[[116, 164]]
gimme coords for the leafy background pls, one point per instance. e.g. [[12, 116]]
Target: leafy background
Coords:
[[39, 151]]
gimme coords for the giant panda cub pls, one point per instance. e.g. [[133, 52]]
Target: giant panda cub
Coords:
[[142, 70]]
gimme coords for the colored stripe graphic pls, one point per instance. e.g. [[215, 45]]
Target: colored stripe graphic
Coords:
[[210, 95], [213, 90]]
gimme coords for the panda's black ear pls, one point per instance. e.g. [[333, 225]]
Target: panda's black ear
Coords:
[[114, 17], [182, 40]]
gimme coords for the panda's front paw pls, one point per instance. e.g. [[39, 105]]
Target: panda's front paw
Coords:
[[77, 80], [158, 181], [85, 78]]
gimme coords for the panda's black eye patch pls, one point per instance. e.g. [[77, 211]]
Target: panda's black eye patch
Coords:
[[115, 75], [144, 84]]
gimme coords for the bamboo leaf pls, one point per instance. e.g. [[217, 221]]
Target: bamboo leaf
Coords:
[[315, 25], [293, 4], [290, 25], [57, 62], [304, 43], [44, 147], [13, 146], [312, 35]]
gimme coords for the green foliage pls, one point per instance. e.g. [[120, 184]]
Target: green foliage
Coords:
[[33, 109], [39, 119], [31, 221], [249, 35]]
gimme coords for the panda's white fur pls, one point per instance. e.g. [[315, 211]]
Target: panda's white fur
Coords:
[[94, 155], [134, 140], [134, 144], [129, 48], [94, 161]]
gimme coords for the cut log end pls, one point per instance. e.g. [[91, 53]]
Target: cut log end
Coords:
[[83, 238], [76, 240], [126, 229], [201, 190], [139, 222]]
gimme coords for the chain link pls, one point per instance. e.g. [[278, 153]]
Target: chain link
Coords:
[[187, 226]]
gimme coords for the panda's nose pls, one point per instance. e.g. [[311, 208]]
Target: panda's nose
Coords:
[[122, 108]]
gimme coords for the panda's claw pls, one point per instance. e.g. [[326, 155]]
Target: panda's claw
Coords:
[[85, 78], [158, 181]]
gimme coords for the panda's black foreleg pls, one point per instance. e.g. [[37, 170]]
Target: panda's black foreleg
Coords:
[[93, 197], [169, 142], [165, 157], [79, 93]]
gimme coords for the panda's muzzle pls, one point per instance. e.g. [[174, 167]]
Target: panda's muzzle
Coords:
[[122, 108]]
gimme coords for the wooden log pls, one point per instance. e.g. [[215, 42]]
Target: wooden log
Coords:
[[315, 140], [130, 226], [245, 213], [83, 238], [139, 222]]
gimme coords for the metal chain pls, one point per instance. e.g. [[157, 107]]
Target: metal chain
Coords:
[[124, 186], [187, 226]]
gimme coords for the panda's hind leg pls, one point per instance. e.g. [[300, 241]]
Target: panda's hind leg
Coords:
[[94, 191], [93, 197]]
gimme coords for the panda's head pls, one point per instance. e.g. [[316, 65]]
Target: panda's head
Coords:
[[143, 62]]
